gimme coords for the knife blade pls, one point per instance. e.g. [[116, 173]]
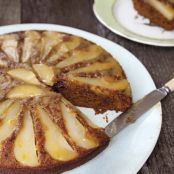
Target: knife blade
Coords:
[[138, 108]]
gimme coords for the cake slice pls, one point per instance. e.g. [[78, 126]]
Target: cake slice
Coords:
[[90, 77], [160, 12]]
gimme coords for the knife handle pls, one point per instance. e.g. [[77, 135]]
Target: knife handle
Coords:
[[170, 84]]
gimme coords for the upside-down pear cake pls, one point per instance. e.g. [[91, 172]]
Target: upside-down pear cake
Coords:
[[40, 130], [160, 12]]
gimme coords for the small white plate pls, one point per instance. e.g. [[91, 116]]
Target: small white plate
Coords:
[[129, 150], [121, 18]]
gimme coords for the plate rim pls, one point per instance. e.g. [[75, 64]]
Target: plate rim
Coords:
[[108, 20], [89, 36]]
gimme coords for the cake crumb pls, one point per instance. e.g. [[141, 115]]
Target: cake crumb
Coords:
[[106, 118]]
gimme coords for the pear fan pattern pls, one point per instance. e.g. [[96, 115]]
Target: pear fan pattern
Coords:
[[40, 130]]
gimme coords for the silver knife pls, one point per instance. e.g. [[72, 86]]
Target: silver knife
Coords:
[[138, 108]]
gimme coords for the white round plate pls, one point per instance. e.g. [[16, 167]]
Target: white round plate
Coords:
[[121, 18], [129, 150]]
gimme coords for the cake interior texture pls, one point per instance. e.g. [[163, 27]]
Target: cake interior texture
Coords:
[[160, 12], [43, 74]]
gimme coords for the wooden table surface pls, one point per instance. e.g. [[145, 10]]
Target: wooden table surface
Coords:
[[158, 61]]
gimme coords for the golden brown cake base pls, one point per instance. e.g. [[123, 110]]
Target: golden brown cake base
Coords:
[[82, 95], [55, 169], [41, 131], [155, 17], [47, 164]]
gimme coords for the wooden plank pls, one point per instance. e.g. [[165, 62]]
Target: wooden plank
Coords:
[[9, 12], [73, 13], [160, 63]]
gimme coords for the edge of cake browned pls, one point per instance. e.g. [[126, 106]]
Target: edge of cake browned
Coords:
[[82, 95], [9, 163], [55, 169]]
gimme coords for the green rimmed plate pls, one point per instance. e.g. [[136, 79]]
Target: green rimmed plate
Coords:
[[121, 18]]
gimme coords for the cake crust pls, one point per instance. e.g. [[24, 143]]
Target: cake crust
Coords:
[[54, 169], [112, 100]]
